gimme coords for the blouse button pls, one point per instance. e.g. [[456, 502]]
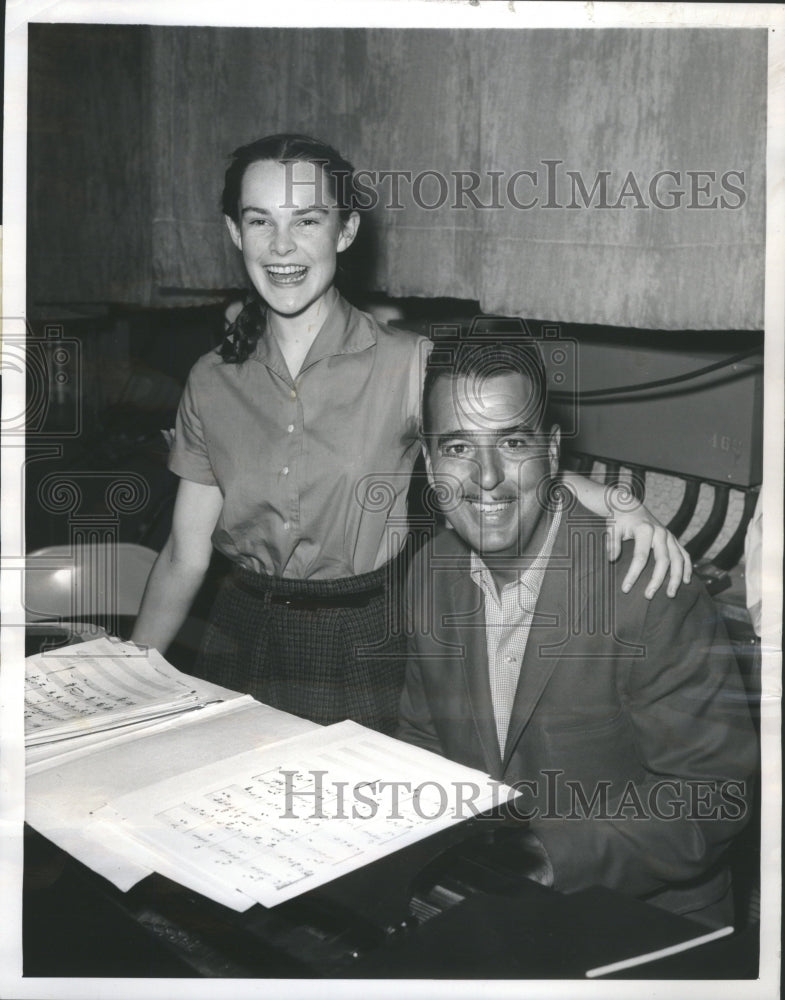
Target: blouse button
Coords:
[[285, 470], [290, 428]]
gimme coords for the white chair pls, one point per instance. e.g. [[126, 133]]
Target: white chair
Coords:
[[84, 581]]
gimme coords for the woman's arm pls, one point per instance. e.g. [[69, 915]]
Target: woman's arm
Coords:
[[180, 567], [638, 524]]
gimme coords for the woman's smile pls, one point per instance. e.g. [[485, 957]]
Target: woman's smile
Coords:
[[286, 274], [290, 232]]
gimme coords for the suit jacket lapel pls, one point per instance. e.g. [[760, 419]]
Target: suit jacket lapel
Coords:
[[551, 623], [470, 623], [536, 670]]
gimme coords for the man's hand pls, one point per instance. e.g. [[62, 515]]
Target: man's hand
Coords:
[[520, 852]]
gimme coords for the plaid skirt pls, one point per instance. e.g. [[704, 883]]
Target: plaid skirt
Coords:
[[326, 650]]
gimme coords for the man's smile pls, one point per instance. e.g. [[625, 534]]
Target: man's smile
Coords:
[[490, 506]]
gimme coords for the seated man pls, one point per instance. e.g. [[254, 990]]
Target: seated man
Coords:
[[623, 721]]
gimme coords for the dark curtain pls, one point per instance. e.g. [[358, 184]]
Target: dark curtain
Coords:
[[89, 159]]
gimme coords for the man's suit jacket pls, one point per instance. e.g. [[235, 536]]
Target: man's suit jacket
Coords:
[[637, 702]]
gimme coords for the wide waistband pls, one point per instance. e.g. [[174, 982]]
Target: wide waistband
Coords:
[[313, 595]]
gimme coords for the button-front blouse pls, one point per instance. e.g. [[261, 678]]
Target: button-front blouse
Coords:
[[314, 470]]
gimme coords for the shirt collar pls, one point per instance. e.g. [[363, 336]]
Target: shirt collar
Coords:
[[345, 330], [531, 577]]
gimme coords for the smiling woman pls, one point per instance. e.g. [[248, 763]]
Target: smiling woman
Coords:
[[289, 232], [295, 444]]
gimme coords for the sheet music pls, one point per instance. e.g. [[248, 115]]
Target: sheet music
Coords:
[[103, 831], [65, 792], [278, 821], [96, 686]]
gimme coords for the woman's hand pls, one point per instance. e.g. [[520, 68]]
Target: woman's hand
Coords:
[[671, 559], [636, 523]]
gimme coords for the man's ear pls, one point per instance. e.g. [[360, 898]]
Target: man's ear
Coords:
[[348, 232], [234, 232], [554, 448]]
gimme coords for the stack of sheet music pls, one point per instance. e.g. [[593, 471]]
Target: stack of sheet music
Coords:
[[80, 695]]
